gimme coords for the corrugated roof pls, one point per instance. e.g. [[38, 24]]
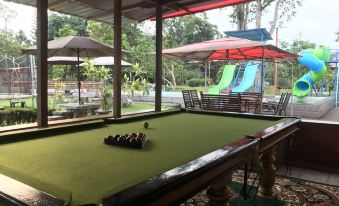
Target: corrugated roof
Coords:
[[132, 10]]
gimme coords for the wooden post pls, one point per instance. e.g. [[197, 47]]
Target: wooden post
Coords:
[[218, 193], [158, 58], [42, 72], [117, 60], [267, 178]]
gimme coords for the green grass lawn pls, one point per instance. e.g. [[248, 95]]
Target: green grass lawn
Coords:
[[182, 87], [136, 106]]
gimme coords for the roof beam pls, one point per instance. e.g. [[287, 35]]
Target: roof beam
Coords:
[[58, 4], [124, 10]]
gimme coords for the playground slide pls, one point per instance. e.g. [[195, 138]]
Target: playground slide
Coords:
[[248, 78], [225, 81], [313, 59]]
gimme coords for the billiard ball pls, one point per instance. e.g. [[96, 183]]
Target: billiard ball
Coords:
[[146, 125], [108, 139], [139, 139]]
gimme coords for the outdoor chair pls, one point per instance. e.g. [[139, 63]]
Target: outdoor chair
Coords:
[[187, 99], [250, 101], [195, 99], [285, 103], [274, 108], [191, 99], [226, 103]]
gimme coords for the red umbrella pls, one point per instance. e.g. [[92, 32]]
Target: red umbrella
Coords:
[[226, 49]]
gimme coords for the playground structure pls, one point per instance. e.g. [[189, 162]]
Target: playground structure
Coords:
[[239, 78], [15, 76], [318, 61], [313, 59]]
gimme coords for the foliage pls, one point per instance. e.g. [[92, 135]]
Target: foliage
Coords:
[[9, 44], [59, 95], [13, 116], [88, 70], [195, 82], [284, 10], [181, 31], [187, 30], [66, 30], [22, 39], [56, 72], [106, 102], [337, 33], [102, 73], [58, 21], [137, 83], [104, 33]]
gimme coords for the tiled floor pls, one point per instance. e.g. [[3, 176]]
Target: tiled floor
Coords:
[[332, 115], [311, 175]]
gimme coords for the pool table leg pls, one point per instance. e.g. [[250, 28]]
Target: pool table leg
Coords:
[[267, 178], [218, 193]]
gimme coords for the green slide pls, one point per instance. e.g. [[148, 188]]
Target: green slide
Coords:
[[226, 79]]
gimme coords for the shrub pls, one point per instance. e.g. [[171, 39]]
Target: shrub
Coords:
[[13, 116], [198, 82], [195, 82]]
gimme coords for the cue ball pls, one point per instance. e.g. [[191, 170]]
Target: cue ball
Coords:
[[146, 125]]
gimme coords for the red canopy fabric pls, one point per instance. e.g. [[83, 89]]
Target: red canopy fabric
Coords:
[[227, 49]]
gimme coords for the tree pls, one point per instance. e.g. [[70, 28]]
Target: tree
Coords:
[[9, 45], [22, 39], [133, 40], [337, 39], [58, 21], [100, 31], [284, 10], [180, 31], [66, 30], [188, 29]]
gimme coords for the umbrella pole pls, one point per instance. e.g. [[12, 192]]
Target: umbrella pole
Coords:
[[262, 76], [79, 83]]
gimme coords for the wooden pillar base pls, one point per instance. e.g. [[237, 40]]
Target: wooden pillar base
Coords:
[[267, 178], [218, 193]]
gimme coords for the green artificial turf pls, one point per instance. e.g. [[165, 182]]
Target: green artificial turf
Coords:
[[80, 162]]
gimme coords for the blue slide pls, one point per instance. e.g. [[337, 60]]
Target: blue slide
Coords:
[[248, 78]]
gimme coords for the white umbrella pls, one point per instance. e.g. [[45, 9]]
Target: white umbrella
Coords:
[[58, 60], [106, 61]]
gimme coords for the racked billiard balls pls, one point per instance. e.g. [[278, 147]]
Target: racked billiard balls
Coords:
[[146, 125], [108, 139]]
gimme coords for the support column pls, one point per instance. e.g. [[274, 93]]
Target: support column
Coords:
[[219, 194], [117, 60], [158, 58], [267, 178], [42, 71]]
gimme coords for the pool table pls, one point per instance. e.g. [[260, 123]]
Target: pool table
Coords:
[[186, 151]]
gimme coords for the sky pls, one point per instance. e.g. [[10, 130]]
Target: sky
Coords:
[[315, 21]]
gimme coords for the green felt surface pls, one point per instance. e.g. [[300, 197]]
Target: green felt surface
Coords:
[[80, 163]]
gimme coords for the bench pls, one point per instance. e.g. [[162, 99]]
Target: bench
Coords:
[[17, 101], [229, 103]]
